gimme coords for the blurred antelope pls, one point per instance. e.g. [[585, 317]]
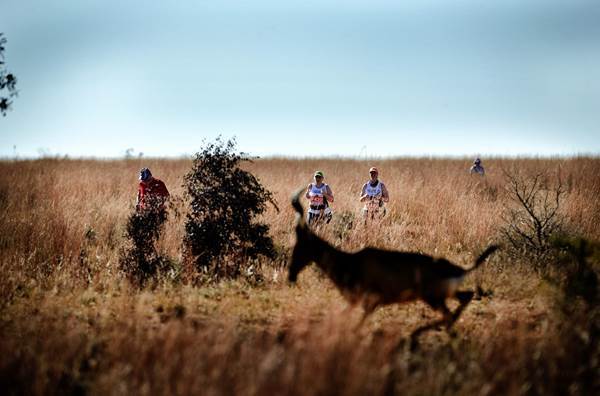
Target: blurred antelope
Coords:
[[374, 277]]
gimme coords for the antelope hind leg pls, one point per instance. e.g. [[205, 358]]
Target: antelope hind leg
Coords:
[[447, 318], [464, 298]]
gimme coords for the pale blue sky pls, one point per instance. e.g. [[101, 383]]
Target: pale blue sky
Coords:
[[303, 78]]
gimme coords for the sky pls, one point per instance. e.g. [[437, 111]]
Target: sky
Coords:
[[303, 78]]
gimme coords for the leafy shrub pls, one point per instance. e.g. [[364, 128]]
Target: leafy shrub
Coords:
[[222, 238]]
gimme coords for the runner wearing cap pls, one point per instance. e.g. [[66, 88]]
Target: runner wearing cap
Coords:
[[374, 194], [319, 195], [152, 192], [477, 168]]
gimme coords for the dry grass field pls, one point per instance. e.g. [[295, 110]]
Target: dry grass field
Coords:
[[71, 324]]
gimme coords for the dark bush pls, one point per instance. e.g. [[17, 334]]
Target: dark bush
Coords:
[[222, 236], [577, 266], [140, 260]]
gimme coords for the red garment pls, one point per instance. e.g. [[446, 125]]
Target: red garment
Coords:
[[151, 190]]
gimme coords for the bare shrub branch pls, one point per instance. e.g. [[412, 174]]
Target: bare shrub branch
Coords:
[[532, 214]]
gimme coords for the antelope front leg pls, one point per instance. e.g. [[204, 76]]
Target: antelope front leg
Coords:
[[369, 305], [362, 320]]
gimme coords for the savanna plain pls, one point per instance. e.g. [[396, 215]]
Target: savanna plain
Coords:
[[71, 323]]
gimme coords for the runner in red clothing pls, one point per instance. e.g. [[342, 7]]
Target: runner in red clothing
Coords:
[[152, 192]]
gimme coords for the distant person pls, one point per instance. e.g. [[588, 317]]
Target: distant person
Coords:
[[374, 194], [477, 167], [152, 192], [319, 195]]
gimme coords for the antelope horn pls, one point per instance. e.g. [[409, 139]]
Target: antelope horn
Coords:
[[298, 207]]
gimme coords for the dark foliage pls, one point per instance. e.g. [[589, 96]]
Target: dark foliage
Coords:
[[577, 268], [8, 81], [139, 260], [222, 235], [342, 224], [579, 263]]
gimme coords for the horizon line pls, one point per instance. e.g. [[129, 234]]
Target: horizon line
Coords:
[[249, 156]]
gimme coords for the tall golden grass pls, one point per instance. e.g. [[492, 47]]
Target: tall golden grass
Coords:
[[70, 323]]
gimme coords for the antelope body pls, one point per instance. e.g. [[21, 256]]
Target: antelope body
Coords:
[[375, 277]]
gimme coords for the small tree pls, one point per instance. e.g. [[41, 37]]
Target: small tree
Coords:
[[222, 235], [8, 81], [532, 216]]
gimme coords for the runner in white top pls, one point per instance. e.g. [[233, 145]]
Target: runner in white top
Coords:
[[374, 194], [319, 195]]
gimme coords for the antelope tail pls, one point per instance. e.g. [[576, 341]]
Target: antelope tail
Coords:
[[487, 252]]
